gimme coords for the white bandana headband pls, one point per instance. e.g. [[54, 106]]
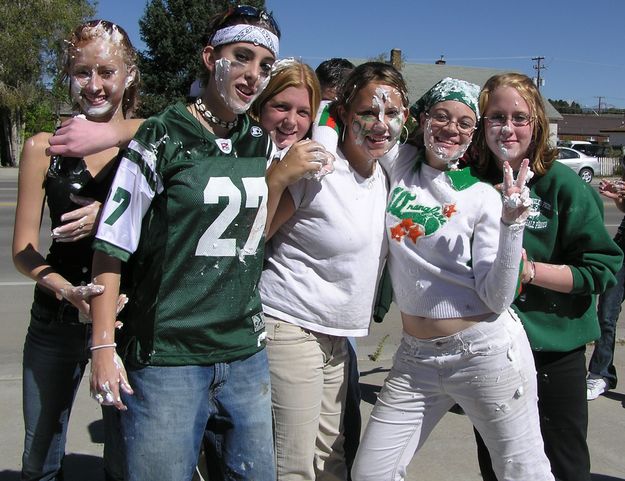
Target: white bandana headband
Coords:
[[246, 33]]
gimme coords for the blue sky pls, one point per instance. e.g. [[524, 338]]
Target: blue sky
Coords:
[[581, 40]]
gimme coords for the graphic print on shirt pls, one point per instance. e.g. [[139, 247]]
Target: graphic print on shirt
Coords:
[[540, 213], [416, 220]]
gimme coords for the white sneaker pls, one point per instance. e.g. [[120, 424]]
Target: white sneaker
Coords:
[[595, 386]]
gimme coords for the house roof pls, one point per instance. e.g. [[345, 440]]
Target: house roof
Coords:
[[420, 78], [590, 124]]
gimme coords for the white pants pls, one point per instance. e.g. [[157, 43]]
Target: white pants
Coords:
[[488, 369], [308, 389]]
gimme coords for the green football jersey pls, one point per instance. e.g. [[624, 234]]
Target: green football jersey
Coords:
[[188, 210]]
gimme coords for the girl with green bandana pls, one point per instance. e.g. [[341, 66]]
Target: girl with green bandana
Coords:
[[454, 256]]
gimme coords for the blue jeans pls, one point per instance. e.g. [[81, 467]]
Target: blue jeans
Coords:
[[55, 356], [172, 406], [602, 360]]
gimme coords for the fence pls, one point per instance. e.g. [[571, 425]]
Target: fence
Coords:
[[609, 166]]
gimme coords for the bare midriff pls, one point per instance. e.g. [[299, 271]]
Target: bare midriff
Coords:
[[428, 328]]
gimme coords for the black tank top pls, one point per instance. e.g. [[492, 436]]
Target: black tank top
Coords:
[[65, 176]]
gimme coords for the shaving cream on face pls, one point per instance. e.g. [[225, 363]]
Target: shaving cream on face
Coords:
[[394, 124], [394, 128], [359, 132], [99, 76], [92, 111], [444, 153], [381, 125], [374, 119], [504, 153], [225, 71], [379, 100]]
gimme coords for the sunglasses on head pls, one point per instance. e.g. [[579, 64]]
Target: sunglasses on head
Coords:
[[249, 11]]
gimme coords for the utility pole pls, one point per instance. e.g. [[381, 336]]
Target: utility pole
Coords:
[[538, 67], [599, 106]]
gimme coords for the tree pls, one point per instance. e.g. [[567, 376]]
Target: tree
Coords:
[[31, 42], [174, 32], [40, 117], [564, 107]]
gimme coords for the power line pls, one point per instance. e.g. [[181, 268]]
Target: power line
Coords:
[[599, 106], [538, 67], [454, 59]]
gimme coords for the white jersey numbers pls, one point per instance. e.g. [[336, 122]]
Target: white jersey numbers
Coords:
[[211, 242]]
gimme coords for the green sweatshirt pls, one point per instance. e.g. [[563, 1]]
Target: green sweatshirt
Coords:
[[566, 226]]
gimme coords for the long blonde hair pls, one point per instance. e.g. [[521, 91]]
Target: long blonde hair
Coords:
[[541, 154]]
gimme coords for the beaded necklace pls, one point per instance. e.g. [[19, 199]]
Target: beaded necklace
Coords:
[[211, 118]]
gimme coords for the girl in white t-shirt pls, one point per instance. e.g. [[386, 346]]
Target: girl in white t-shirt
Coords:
[[320, 279]]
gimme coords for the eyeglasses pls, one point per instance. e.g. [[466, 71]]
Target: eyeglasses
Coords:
[[248, 11], [518, 120], [440, 119]]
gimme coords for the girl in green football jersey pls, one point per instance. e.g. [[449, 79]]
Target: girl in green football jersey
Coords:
[[188, 210]]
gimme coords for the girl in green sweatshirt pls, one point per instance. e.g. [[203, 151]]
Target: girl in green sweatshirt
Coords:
[[570, 258]]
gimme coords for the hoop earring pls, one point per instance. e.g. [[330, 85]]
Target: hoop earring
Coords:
[[343, 135], [406, 136]]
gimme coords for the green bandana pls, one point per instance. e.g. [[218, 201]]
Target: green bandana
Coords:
[[448, 89]]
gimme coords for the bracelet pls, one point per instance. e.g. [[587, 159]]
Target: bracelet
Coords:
[[533, 274], [102, 346]]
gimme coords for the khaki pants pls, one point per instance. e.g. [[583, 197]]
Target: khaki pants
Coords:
[[308, 389]]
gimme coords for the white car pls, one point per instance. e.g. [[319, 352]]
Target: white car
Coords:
[[583, 164]]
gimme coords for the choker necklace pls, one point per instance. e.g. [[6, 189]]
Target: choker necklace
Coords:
[[211, 118]]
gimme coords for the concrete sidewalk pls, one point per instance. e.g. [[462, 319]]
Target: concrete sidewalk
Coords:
[[448, 455], [8, 172]]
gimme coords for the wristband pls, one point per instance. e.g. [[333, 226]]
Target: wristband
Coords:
[[103, 346]]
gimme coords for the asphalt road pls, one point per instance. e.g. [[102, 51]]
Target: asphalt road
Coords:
[[449, 454]]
